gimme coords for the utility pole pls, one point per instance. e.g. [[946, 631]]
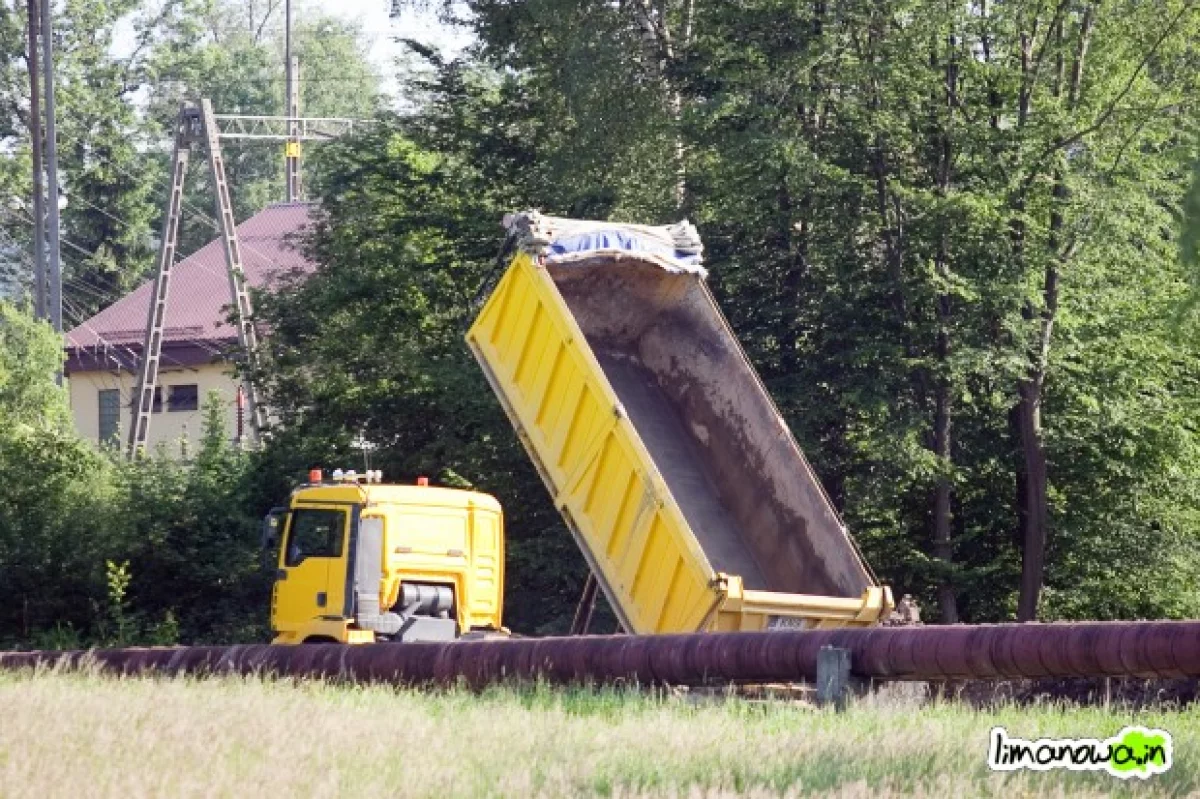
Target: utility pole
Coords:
[[52, 170], [292, 147], [287, 38], [292, 109], [35, 136]]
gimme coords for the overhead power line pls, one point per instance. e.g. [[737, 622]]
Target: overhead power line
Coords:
[[329, 79]]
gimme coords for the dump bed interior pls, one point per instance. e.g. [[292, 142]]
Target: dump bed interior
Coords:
[[751, 499]]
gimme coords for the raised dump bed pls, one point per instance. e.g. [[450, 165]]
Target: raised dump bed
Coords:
[[680, 481]]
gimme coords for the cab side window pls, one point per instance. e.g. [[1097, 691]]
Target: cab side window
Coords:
[[315, 534]]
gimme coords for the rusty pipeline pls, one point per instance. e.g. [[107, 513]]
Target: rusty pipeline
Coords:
[[1160, 649]]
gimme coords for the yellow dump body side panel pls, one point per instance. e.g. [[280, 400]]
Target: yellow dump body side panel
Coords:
[[604, 480], [590, 457]]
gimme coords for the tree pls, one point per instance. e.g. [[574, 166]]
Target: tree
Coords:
[[183, 536], [1063, 157], [109, 188], [54, 490], [106, 187], [115, 114], [30, 355], [898, 200], [593, 84], [190, 534]]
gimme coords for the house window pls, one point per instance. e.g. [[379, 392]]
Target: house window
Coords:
[[184, 398], [156, 406], [109, 402]]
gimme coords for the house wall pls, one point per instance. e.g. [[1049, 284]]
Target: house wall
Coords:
[[168, 428]]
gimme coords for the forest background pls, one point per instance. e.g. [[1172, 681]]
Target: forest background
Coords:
[[956, 240]]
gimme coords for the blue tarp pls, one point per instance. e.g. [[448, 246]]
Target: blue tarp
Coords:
[[616, 239], [558, 239]]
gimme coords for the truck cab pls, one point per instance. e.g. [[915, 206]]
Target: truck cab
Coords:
[[358, 561]]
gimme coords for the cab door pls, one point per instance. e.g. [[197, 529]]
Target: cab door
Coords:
[[311, 580]]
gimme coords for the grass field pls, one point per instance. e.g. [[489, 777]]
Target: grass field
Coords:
[[85, 735]]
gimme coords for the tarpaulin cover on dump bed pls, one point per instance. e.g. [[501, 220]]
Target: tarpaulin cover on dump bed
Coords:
[[557, 238]]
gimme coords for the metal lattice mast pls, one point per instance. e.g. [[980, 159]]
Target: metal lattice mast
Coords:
[[200, 125], [187, 129], [247, 335], [274, 128]]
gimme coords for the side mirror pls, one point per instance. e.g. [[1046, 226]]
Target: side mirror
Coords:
[[272, 529]]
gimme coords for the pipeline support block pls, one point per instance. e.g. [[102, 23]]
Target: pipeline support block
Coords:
[[833, 676]]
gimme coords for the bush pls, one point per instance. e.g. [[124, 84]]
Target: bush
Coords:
[[97, 550]]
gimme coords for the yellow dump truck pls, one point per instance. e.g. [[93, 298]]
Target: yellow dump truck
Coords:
[[674, 471], [681, 483], [359, 561]]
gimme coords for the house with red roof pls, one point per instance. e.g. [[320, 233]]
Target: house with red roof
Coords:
[[104, 352]]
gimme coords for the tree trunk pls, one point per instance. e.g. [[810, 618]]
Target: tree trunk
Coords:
[[943, 544], [659, 53], [792, 240], [1035, 513], [795, 224], [1032, 494]]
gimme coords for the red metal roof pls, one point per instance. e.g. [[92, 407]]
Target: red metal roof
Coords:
[[199, 292]]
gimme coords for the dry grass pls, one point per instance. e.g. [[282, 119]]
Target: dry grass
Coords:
[[85, 735]]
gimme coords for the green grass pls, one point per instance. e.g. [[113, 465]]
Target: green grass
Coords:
[[79, 734]]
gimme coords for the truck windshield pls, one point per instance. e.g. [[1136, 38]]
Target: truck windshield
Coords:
[[315, 534]]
